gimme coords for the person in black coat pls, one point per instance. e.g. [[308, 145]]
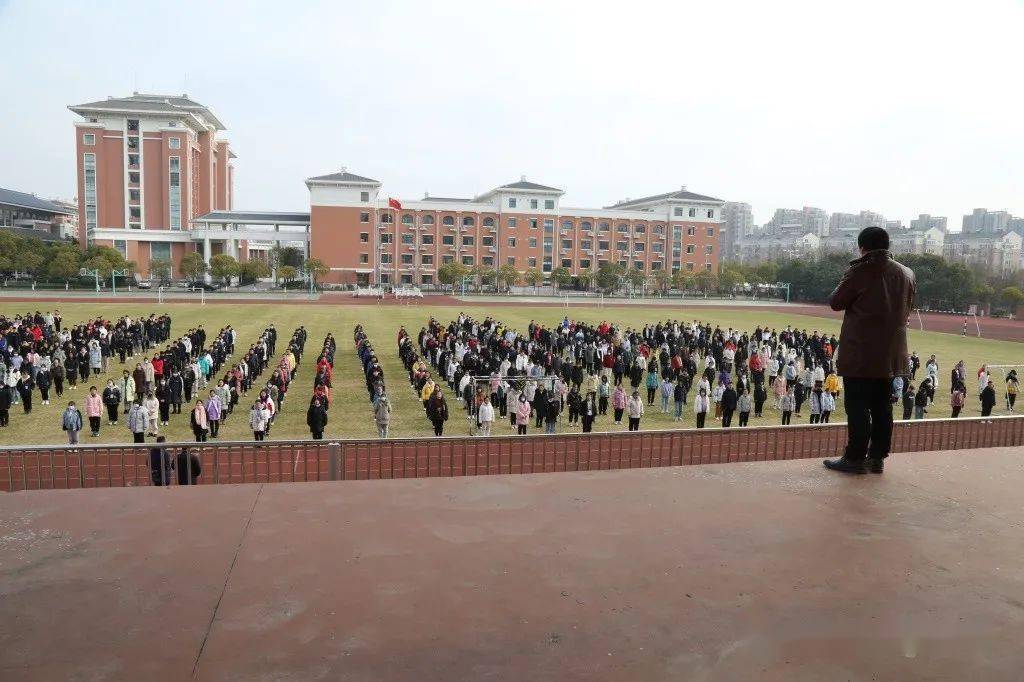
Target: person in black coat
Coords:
[[176, 390], [729, 399], [24, 387], [316, 418], [160, 464], [112, 401], [988, 400], [5, 406], [188, 466]]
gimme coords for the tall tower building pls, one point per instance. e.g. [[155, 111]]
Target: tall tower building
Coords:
[[147, 165]]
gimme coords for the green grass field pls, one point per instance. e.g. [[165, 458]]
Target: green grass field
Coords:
[[350, 414]]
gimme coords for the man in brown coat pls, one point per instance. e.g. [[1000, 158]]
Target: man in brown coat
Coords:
[[877, 295]]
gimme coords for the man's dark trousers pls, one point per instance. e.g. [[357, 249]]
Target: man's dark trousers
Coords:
[[869, 417]]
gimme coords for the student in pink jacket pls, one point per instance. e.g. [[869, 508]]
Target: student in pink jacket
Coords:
[[522, 414], [619, 403], [94, 410]]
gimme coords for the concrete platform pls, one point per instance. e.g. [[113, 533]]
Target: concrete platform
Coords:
[[769, 571]]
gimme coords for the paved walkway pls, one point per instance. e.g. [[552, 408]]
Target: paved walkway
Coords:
[[769, 571]]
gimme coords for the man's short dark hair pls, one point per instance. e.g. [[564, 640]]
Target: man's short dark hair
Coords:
[[872, 238]]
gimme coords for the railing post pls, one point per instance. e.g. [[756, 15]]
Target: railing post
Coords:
[[333, 458]]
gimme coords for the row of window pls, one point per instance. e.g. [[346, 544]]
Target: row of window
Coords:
[[583, 263], [567, 244], [428, 278], [549, 204], [534, 223], [89, 140]]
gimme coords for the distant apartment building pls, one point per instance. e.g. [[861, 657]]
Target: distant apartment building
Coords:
[[917, 241], [737, 223], [984, 221], [147, 165], [995, 253], [926, 222], [366, 237], [27, 215], [847, 223], [801, 220]]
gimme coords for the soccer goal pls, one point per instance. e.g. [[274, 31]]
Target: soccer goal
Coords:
[[1007, 373]]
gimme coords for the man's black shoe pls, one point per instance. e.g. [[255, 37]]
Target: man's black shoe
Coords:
[[876, 465], [846, 466]]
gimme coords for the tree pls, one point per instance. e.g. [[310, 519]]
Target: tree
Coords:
[[728, 279], [705, 280], [161, 270], [287, 273], [508, 275], [635, 278], [681, 279], [533, 277], [662, 280], [561, 276], [315, 269], [451, 273], [65, 264], [586, 278], [609, 276], [488, 277], [1013, 297], [251, 271], [477, 273], [223, 267], [101, 265], [192, 267]]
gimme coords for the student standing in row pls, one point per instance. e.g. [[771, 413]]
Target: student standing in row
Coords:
[[700, 407], [636, 410], [743, 404], [112, 401], [199, 421], [138, 422], [94, 409], [382, 415], [71, 423]]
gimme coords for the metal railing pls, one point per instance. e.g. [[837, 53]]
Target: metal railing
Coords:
[[99, 466]]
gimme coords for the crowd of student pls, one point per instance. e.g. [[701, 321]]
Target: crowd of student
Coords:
[[915, 399], [320, 402], [426, 389], [374, 375]]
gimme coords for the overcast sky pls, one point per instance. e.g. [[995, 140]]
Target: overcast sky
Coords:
[[895, 106]]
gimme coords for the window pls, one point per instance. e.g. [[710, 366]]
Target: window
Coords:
[[448, 240], [134, 196], [566, 262], [602, 245], [427, 220], [586, 226], [532, 262], [385, 278], [711, 213], [487, 260], [159, 251], [656, 265], [174, 143], [533, 242], [587, 244], [709, 249], [659, 229], [690, 248], [448, 220], [364, 196], [133, 160], [427, 239], [677, 211], [122, 246], [585, 263], [512, 242], [364, 217], [364, 237], [407, 238], [385, 239], [488, 222], [711, 232], [406, 279], [691, 230], [386, 218], [407, 219], [546, 267], [133, 125], [427, 279], [622, 246], [406, 259], [638, 264], [133, 178], [533, 223], [468, 241], [640, 229], [511, 202], [467, 260], [427, 260], [511, 260], [487, 241], [623, 228], [566, 224], [468, 221], [602, 226], [707, 266], [549, 204], [364, 258], [533, 203], [174, 196], [566, 243], [89, 139], [385, 258], [549, 225], [511, 222], [657, 248], [548, 245], [134, 213], [447, 259], [639, 246], [692, 213]]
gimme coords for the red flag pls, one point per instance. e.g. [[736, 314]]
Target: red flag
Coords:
[[395, 204]]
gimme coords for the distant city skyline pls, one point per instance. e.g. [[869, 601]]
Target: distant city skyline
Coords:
[[304, 96]]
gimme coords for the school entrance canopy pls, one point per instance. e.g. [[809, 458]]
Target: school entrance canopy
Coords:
[[768, 570]]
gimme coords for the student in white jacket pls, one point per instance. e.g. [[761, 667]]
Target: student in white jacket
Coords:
[[635, 408], [486, 418], [700, 406]]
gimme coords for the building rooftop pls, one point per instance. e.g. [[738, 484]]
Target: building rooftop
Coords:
[[10, 197], [253, 217], [343, 176], [29, 233], [532, 186], [143, 103], [681, 194], [773, 570]]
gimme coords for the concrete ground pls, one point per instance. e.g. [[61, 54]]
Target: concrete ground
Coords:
[[770, 571]]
